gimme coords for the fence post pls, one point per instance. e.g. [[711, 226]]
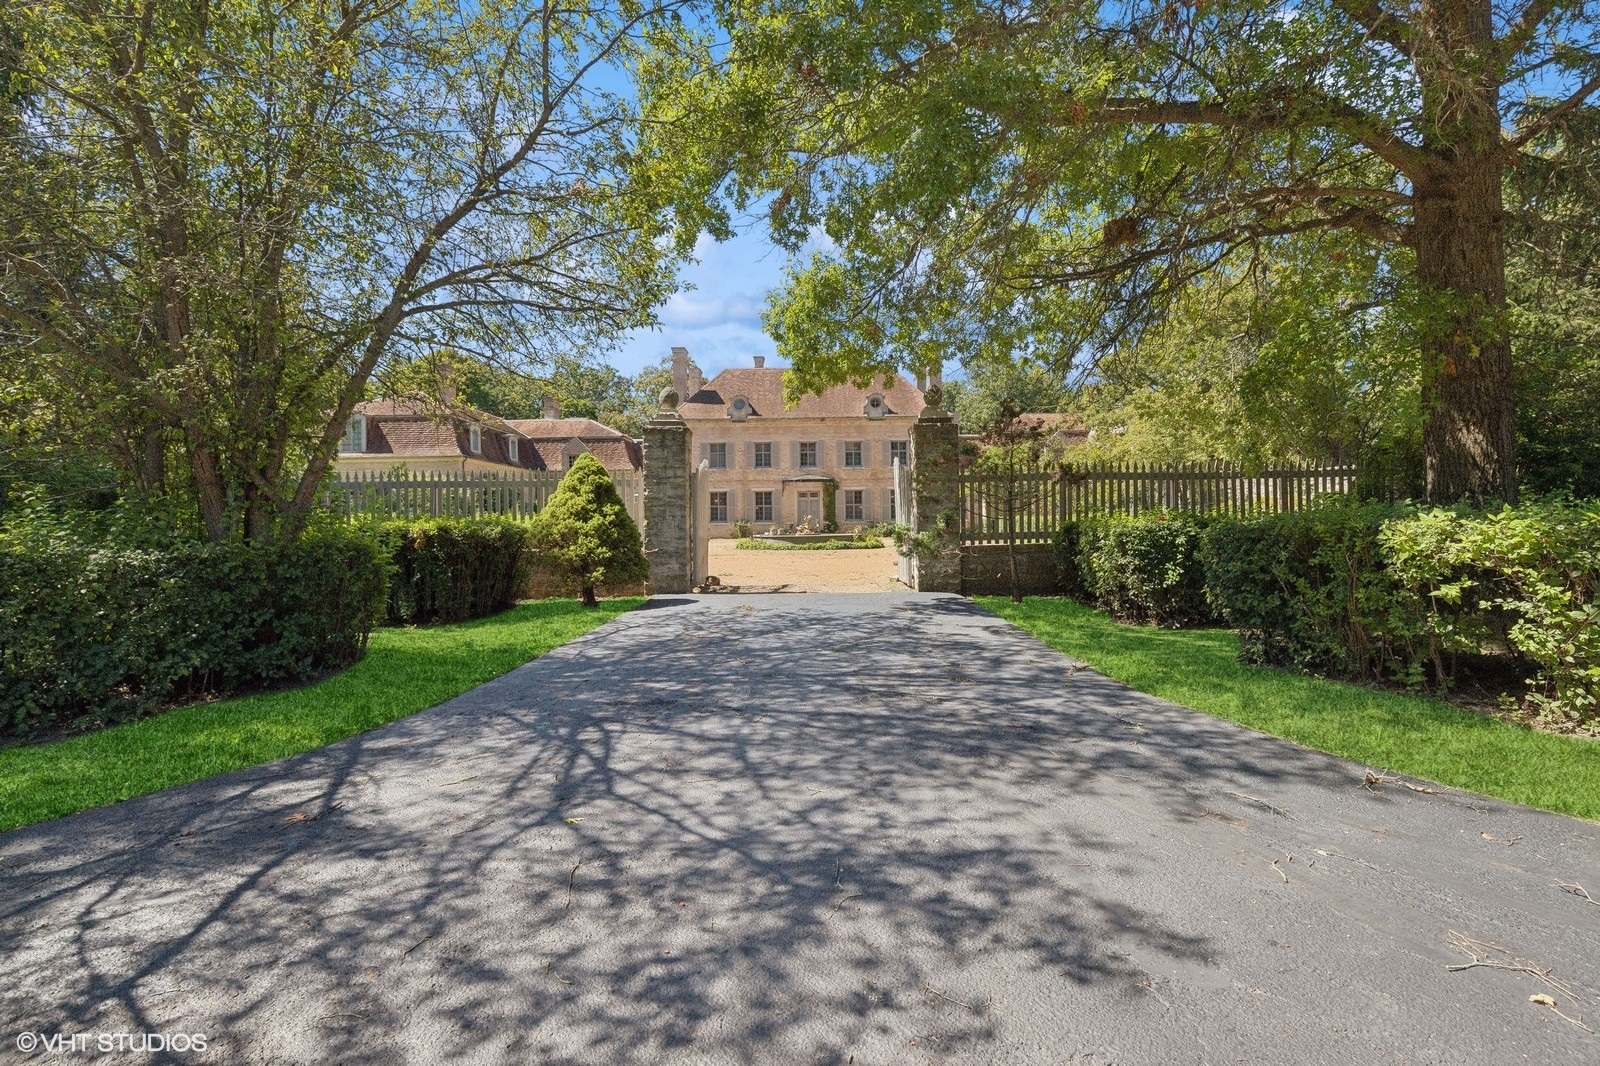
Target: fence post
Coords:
[[936, 498], [668, 535]]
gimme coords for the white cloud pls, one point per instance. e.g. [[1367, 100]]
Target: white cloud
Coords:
[[700, 309]]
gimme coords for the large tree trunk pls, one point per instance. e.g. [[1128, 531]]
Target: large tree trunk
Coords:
[[1469, 433]]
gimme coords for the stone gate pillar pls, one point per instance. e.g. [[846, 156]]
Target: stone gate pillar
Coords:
[[668, 532], [935, 497]]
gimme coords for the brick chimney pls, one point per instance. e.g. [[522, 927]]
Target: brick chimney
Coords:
[[680, 372], [761, 361], [552, 407]]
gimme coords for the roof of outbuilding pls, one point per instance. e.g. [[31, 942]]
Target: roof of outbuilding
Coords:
[[763, 387]]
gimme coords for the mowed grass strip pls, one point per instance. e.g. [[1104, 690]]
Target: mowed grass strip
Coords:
[[1410, 735], [405, 671]]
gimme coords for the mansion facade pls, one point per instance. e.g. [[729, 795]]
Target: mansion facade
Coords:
[[775, 466]]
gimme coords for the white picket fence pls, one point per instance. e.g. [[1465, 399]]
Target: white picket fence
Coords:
[[516, 494]]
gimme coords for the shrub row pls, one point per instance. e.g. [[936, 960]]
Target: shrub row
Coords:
[[1367, 591], [452, 569], [103, 621]]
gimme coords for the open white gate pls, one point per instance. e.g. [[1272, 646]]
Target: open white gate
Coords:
[[902, 516]]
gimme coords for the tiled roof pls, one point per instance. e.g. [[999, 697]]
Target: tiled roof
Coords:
[[550, 437], [763, 387], [618, 454], [1068, 427], [416, 428], [562, 428]]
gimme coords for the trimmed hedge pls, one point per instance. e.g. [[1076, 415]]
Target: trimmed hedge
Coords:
[[1141, 568], [105, 619], [453, 569], [1311, 589], [1369, 591]]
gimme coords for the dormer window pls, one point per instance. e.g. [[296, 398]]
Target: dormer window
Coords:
[[355, 434], [875, 408], [511, 448], [475, 440], [739, 409]]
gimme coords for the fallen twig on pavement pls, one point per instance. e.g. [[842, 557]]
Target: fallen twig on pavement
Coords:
[[1274, 808], [1577, 890]]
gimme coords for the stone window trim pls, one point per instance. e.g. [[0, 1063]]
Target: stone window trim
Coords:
[[763, 506], [512, 449], [719, 507], [475, 440], [855, 505]]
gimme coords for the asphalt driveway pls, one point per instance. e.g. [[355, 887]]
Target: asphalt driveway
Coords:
[[852, 829]]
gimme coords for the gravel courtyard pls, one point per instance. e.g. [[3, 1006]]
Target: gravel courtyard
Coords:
[[841, 570], [826, 829]]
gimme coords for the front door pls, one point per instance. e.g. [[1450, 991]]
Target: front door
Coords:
[[810, 507]]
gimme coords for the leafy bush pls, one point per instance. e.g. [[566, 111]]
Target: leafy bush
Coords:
[[742, 529], [1309, 589], [106, 618], [452, 569], [1140, 568], [1526, 576], [585, 532]]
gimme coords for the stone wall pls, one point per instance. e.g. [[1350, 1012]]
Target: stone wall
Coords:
[[667, 527], [985, 572], [935, 498], [541, 584]]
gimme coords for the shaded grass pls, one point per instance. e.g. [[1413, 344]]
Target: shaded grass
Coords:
[[1411, 735], [752, 544], [405, 670]]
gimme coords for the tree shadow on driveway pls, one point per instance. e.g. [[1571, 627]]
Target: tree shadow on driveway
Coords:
[[757, 829]]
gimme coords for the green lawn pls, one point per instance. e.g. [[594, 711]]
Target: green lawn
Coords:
[[405, 671], [1385, 730], [837, 544]]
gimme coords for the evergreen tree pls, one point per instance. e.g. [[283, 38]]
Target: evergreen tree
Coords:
[[585, 532]]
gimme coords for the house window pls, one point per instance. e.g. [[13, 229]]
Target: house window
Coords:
[[808, 454], [855, 506], [718, 456], [475, 440], [764, 507], [901, 450], [852, 453], [719, 507], [763, 455], [891, 515], [511, 448], [355, 434]]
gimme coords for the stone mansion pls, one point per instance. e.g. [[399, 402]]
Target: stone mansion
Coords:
[[770, 465]]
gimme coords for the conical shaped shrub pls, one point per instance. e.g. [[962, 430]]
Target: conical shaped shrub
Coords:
[[585, 532]]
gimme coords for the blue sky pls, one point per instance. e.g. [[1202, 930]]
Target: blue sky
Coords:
[[719, 320]]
